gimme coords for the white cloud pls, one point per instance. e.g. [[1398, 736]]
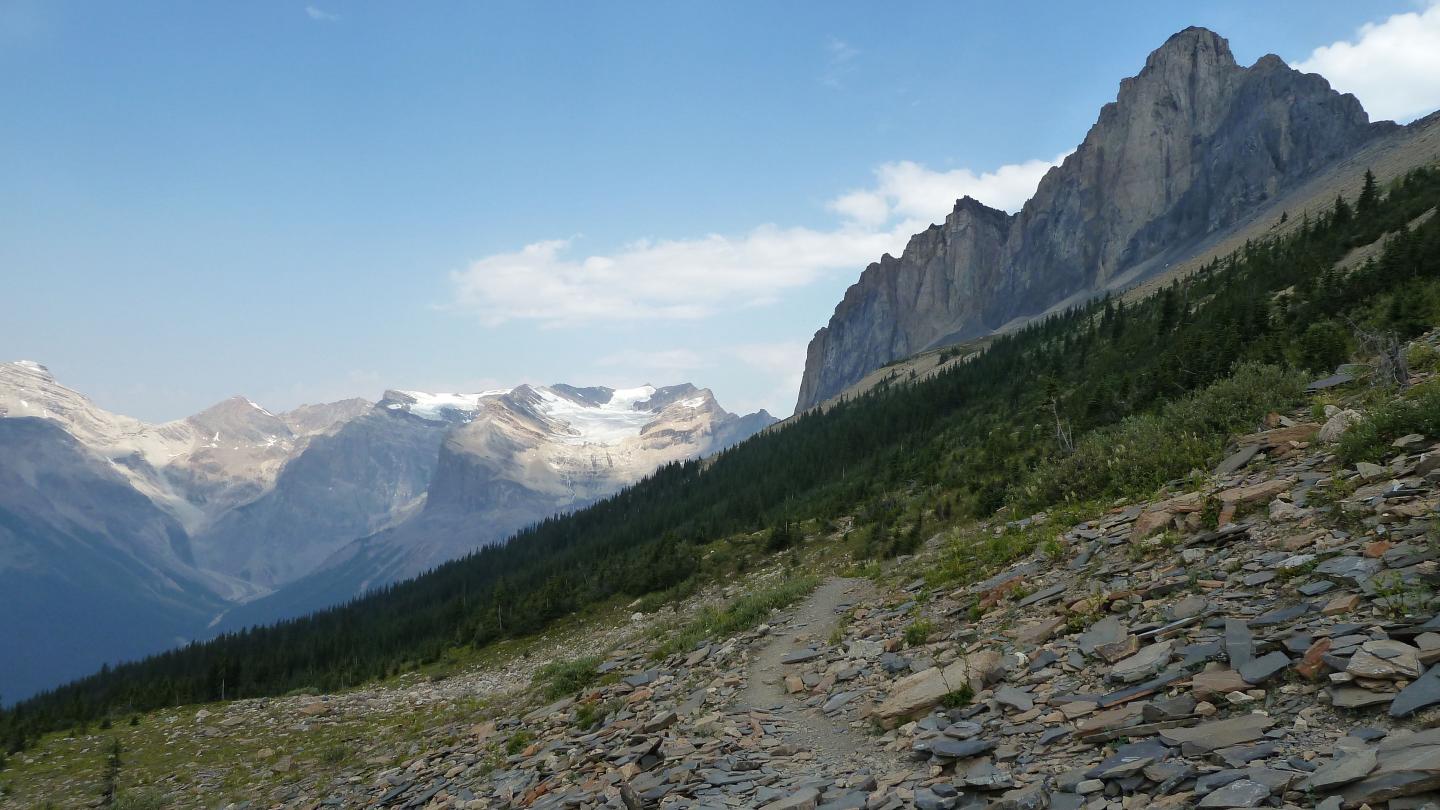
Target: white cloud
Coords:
[[1393, 67], [660, 279], [687, 279], [320, 15], [908, 189]]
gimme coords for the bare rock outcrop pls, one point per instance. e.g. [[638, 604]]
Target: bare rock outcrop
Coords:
[[1192, 144]]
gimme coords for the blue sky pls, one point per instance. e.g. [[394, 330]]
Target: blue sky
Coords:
[[300, 202]]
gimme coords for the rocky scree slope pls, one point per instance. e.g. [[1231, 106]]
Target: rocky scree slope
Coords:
[[1261, 635], [1192, 144]]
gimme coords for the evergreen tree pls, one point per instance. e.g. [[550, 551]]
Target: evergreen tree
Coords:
[[1340, 218], [1165, 321], [1369, 194]]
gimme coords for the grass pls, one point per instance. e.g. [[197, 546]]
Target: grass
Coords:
[[139, 800], [976, 552], [518, 742], [918, 632], [168, 764], [1142, 452], [336, 754], [740, 614], [1417, 411], [558, 679]]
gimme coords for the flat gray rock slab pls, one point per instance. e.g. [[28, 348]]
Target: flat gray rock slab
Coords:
[[805, 799], [1239, 643], [1108, 630], [1264, 668], [1240, 793], [1042, 595], [1354, 697], [1144, 664], [1237, 459], [1342, 770], [951, 748], [1422, 692], [1207, 737], [1356, 569], [1017, 699], [1405, 766], [801, 656]]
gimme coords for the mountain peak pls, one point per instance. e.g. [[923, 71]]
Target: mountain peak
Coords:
[[237, 406], [1200, 45], [31, 365], [1193, 144]]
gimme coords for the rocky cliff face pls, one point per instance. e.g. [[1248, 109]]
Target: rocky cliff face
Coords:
[[369, 473], [1191, 145]]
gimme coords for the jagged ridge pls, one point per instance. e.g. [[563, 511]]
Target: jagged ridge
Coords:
[[1192, 144]]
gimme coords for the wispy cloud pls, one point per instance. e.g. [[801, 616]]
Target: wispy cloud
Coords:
[[910, 190], [554, 283], [1392, 66], [839, 62], [321, 15], [671, 279]]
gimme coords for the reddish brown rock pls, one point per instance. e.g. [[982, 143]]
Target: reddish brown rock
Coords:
[[1312, 664]]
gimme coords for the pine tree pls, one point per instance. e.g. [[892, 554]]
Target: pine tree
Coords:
[[1166, 318], [1369, 194], [1342, 214]]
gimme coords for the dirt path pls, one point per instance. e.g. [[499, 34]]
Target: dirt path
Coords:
[[833, 740]]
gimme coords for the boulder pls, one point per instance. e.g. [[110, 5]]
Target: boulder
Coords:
[[1336, 426]]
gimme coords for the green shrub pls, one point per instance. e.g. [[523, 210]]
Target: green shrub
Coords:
[[592, 713], [1418, 411], [1138, 455], [1422, 357], [518, 742], [918, 631], [958, 698], [335, 754], [561, 678]]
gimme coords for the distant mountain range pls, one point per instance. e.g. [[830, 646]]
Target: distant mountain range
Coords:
[[119, 537]]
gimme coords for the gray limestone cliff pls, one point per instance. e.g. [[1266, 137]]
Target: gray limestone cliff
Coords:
[[1191, 145]]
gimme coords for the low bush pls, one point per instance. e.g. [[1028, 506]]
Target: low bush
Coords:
[[560, 678], [1142, 452], [918, 631], [1418, 411]]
